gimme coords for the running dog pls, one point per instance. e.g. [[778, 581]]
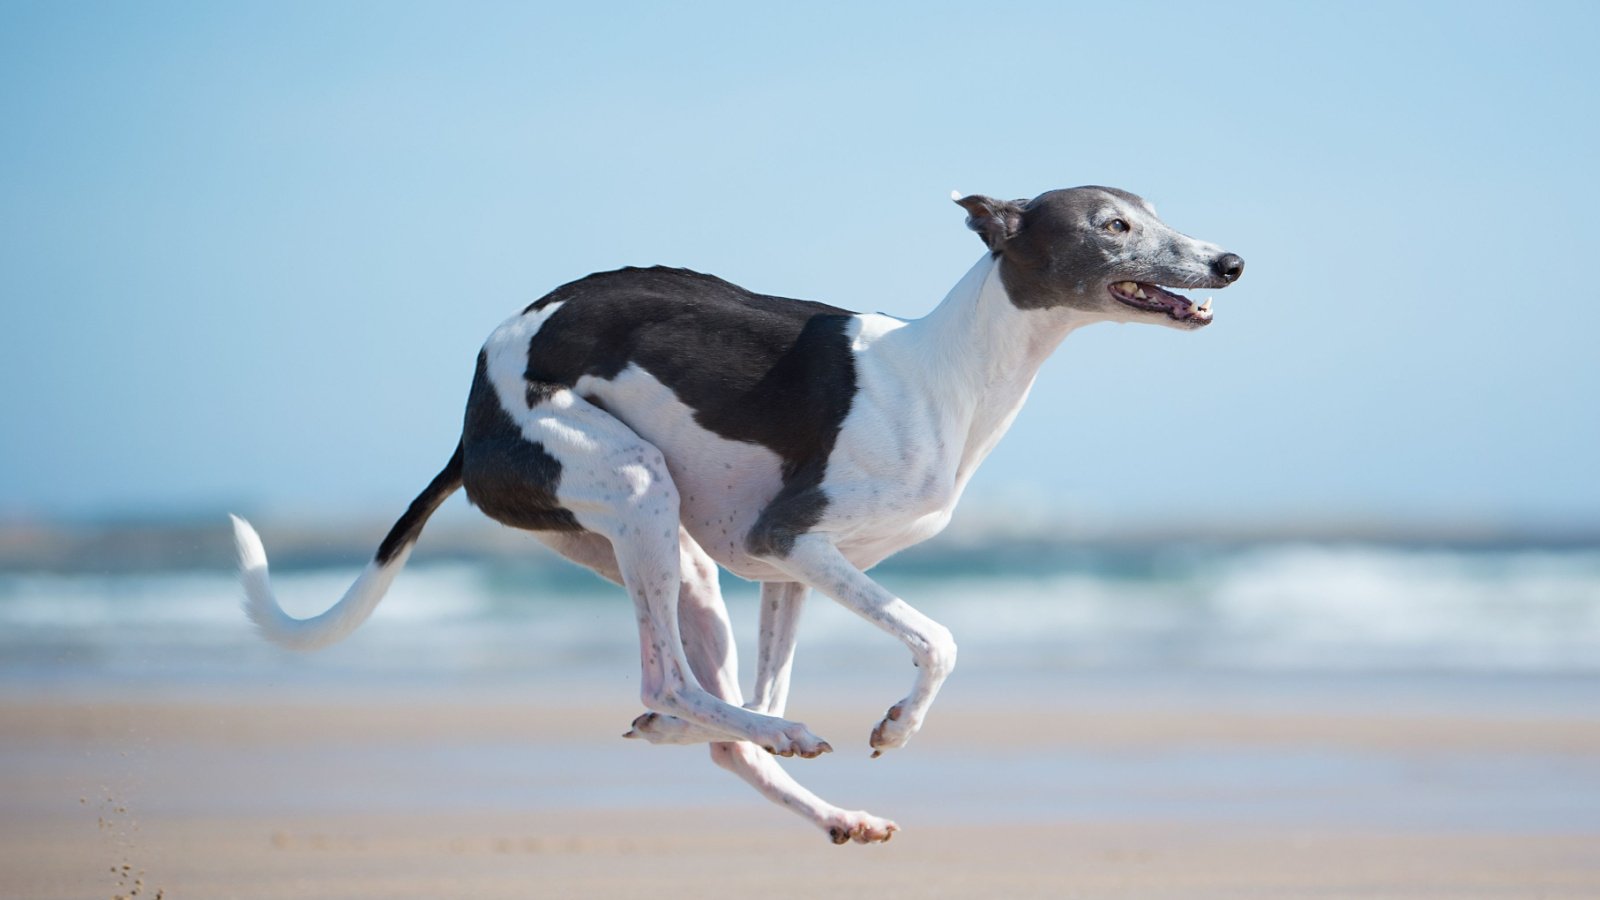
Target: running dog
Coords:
[[655, 424]]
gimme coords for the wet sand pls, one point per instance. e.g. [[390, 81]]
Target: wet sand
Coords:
[[216, 795]]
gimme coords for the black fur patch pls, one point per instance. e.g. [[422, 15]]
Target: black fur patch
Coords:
[[409, 527], [789, 515], [1057, 253], [755, 368], [512, 479]]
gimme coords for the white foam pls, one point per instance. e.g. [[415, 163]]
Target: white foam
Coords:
[[1281, 607]]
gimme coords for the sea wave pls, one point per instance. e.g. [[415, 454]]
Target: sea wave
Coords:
[[1275, 607]]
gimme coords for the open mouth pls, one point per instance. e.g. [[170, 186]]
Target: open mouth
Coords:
[[1152, 298]]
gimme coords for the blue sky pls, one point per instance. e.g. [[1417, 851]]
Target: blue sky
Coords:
[[248, 251]]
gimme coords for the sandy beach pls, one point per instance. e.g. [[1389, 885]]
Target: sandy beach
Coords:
[[1274, 721], [296, 793]]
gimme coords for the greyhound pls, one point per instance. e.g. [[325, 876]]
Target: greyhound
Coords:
[[655, 424]]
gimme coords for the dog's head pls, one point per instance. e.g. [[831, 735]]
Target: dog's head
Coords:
[[1101, 251]]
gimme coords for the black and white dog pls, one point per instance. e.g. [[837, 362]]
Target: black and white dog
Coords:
[[654, 424]]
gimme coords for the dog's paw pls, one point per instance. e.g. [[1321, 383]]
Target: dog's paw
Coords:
[[793, 739], [844, 827], [895, 729], [658, 728]]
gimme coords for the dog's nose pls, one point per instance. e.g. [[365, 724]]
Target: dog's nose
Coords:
[[1230, 266]]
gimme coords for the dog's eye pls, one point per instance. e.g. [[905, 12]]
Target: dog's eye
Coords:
[[1117, 225]]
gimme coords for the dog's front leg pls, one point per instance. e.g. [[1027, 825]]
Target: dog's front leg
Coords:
[[815, 561], [781, 603]]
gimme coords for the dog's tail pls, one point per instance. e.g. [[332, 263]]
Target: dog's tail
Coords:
[[362, 598]]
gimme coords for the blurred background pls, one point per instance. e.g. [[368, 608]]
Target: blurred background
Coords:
[[248, 252]]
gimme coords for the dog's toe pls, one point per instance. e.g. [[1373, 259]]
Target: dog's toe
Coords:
[[861, 827], [893, 731], [797, 740], [809, 746]]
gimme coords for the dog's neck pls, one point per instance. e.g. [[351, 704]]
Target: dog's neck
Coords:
[[981, 353]]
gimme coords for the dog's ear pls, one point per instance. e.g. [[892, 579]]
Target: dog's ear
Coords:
[[996, 221]]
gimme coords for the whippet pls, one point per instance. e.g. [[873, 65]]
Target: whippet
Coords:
[[654, 424]]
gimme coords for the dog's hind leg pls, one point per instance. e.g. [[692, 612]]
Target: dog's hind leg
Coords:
[[708, 640], [616, 485], [781, 603], [591, 551], [703, 620], [780, 614], [762, 772], [707, 643], [702, 617]]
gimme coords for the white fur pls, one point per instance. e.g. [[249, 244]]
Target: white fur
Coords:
[[934, 396], [663, 501], [722, 485], [318, 631]]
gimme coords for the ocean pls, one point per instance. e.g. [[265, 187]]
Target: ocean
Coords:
[[1406, 688], [1277, 607]]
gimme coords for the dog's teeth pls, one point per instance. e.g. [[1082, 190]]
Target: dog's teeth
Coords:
[[1206, 306], [1139, 292]]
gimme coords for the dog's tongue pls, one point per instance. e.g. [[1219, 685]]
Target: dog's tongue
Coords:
[[1178, 307]]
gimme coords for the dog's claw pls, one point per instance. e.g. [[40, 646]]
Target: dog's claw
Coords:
[[800, 751], [861, 828], [640, 726], [798, 742], [812, 753], [893, 731]]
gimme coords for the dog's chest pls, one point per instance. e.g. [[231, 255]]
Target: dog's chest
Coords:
[[879, 540], [876, 516]]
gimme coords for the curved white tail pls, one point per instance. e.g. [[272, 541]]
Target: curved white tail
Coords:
[[362, 598], [285, 630]]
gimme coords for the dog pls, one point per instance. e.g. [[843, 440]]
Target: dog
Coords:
[[656, 424]]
